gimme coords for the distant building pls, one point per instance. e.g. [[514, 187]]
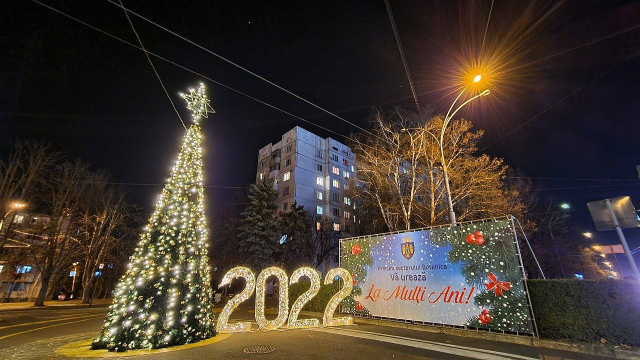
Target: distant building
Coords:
[[313, 172], [19, 277]]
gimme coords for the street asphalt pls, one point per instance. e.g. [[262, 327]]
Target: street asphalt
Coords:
[[36, 333]]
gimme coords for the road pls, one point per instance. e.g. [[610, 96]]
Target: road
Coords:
[[37, 333]]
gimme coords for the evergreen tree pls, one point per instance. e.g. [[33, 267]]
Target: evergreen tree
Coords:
[[259, 227], [299, 247], [165, 297]]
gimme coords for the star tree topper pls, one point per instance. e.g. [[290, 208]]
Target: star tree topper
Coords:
[[198, 103]]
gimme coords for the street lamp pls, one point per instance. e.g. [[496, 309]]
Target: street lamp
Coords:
[[588, 235], [447, 119]]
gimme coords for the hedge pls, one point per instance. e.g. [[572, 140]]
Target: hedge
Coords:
[[583, 310], [573, 310]]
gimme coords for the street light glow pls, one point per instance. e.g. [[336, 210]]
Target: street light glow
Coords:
[[18, 205], [565, 206], [477, 78], [588, 235]]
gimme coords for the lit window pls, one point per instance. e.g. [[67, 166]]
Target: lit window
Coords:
[[2, 266], [18, 219], [286, 176], [335, 170], [336, 212], [318, 225], [24, 269], [347, 200], [319, 210], [319, 195], [320, 180], [336, 184], [347, 215], [345, 173], [261, 176], [353, 168], [336, 227]]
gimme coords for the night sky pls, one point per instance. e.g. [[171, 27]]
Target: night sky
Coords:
[[98, 99]]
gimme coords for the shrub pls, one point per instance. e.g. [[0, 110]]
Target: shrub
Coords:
[[583, 310]]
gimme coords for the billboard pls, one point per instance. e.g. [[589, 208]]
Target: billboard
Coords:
[[467, 274]]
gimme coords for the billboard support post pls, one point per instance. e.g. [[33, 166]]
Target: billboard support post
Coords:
[[524, 274], [618, 228]]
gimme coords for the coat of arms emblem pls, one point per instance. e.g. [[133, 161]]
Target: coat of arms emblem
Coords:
[[407, 247]]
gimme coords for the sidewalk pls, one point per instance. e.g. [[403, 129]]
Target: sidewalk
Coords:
[[52, 303], [620, 352]]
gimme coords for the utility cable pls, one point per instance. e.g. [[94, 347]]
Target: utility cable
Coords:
[[404, 60], [188, 70], [571, 179], [487, 27], [564, 98], [153, 67], [240, 67]]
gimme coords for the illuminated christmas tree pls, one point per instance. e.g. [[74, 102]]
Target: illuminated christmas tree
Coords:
[[165, 297]]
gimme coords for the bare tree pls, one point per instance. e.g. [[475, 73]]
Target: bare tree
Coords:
[[61, 192], [389, 161], [102, 225], [26, 163], [326, 239]]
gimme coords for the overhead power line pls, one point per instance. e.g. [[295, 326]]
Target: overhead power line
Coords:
[[585, 187], [487, 27], [564, 98], [240, 67], [571, 179], [404, 60], [153, 67], [187, 69]]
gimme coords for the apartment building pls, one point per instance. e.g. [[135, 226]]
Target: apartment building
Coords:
[[313, 172]]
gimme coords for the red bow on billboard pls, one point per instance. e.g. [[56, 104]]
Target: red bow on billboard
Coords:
[[497, 286]]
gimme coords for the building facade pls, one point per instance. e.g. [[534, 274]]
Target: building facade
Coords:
[[313, 172], [19, 277]]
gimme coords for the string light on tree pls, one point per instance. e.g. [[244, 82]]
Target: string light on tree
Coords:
[[165, 297]]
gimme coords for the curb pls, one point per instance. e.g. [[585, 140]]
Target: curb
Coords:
[[584, 348]]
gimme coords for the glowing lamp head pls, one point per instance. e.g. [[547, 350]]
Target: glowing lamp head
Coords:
[[18, 205], [477, 78]]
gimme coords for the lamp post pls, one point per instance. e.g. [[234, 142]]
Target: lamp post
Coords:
[[440, 140], [447, 119], [14, 206]]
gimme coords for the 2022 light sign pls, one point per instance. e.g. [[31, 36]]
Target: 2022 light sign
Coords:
[[259, 286]]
